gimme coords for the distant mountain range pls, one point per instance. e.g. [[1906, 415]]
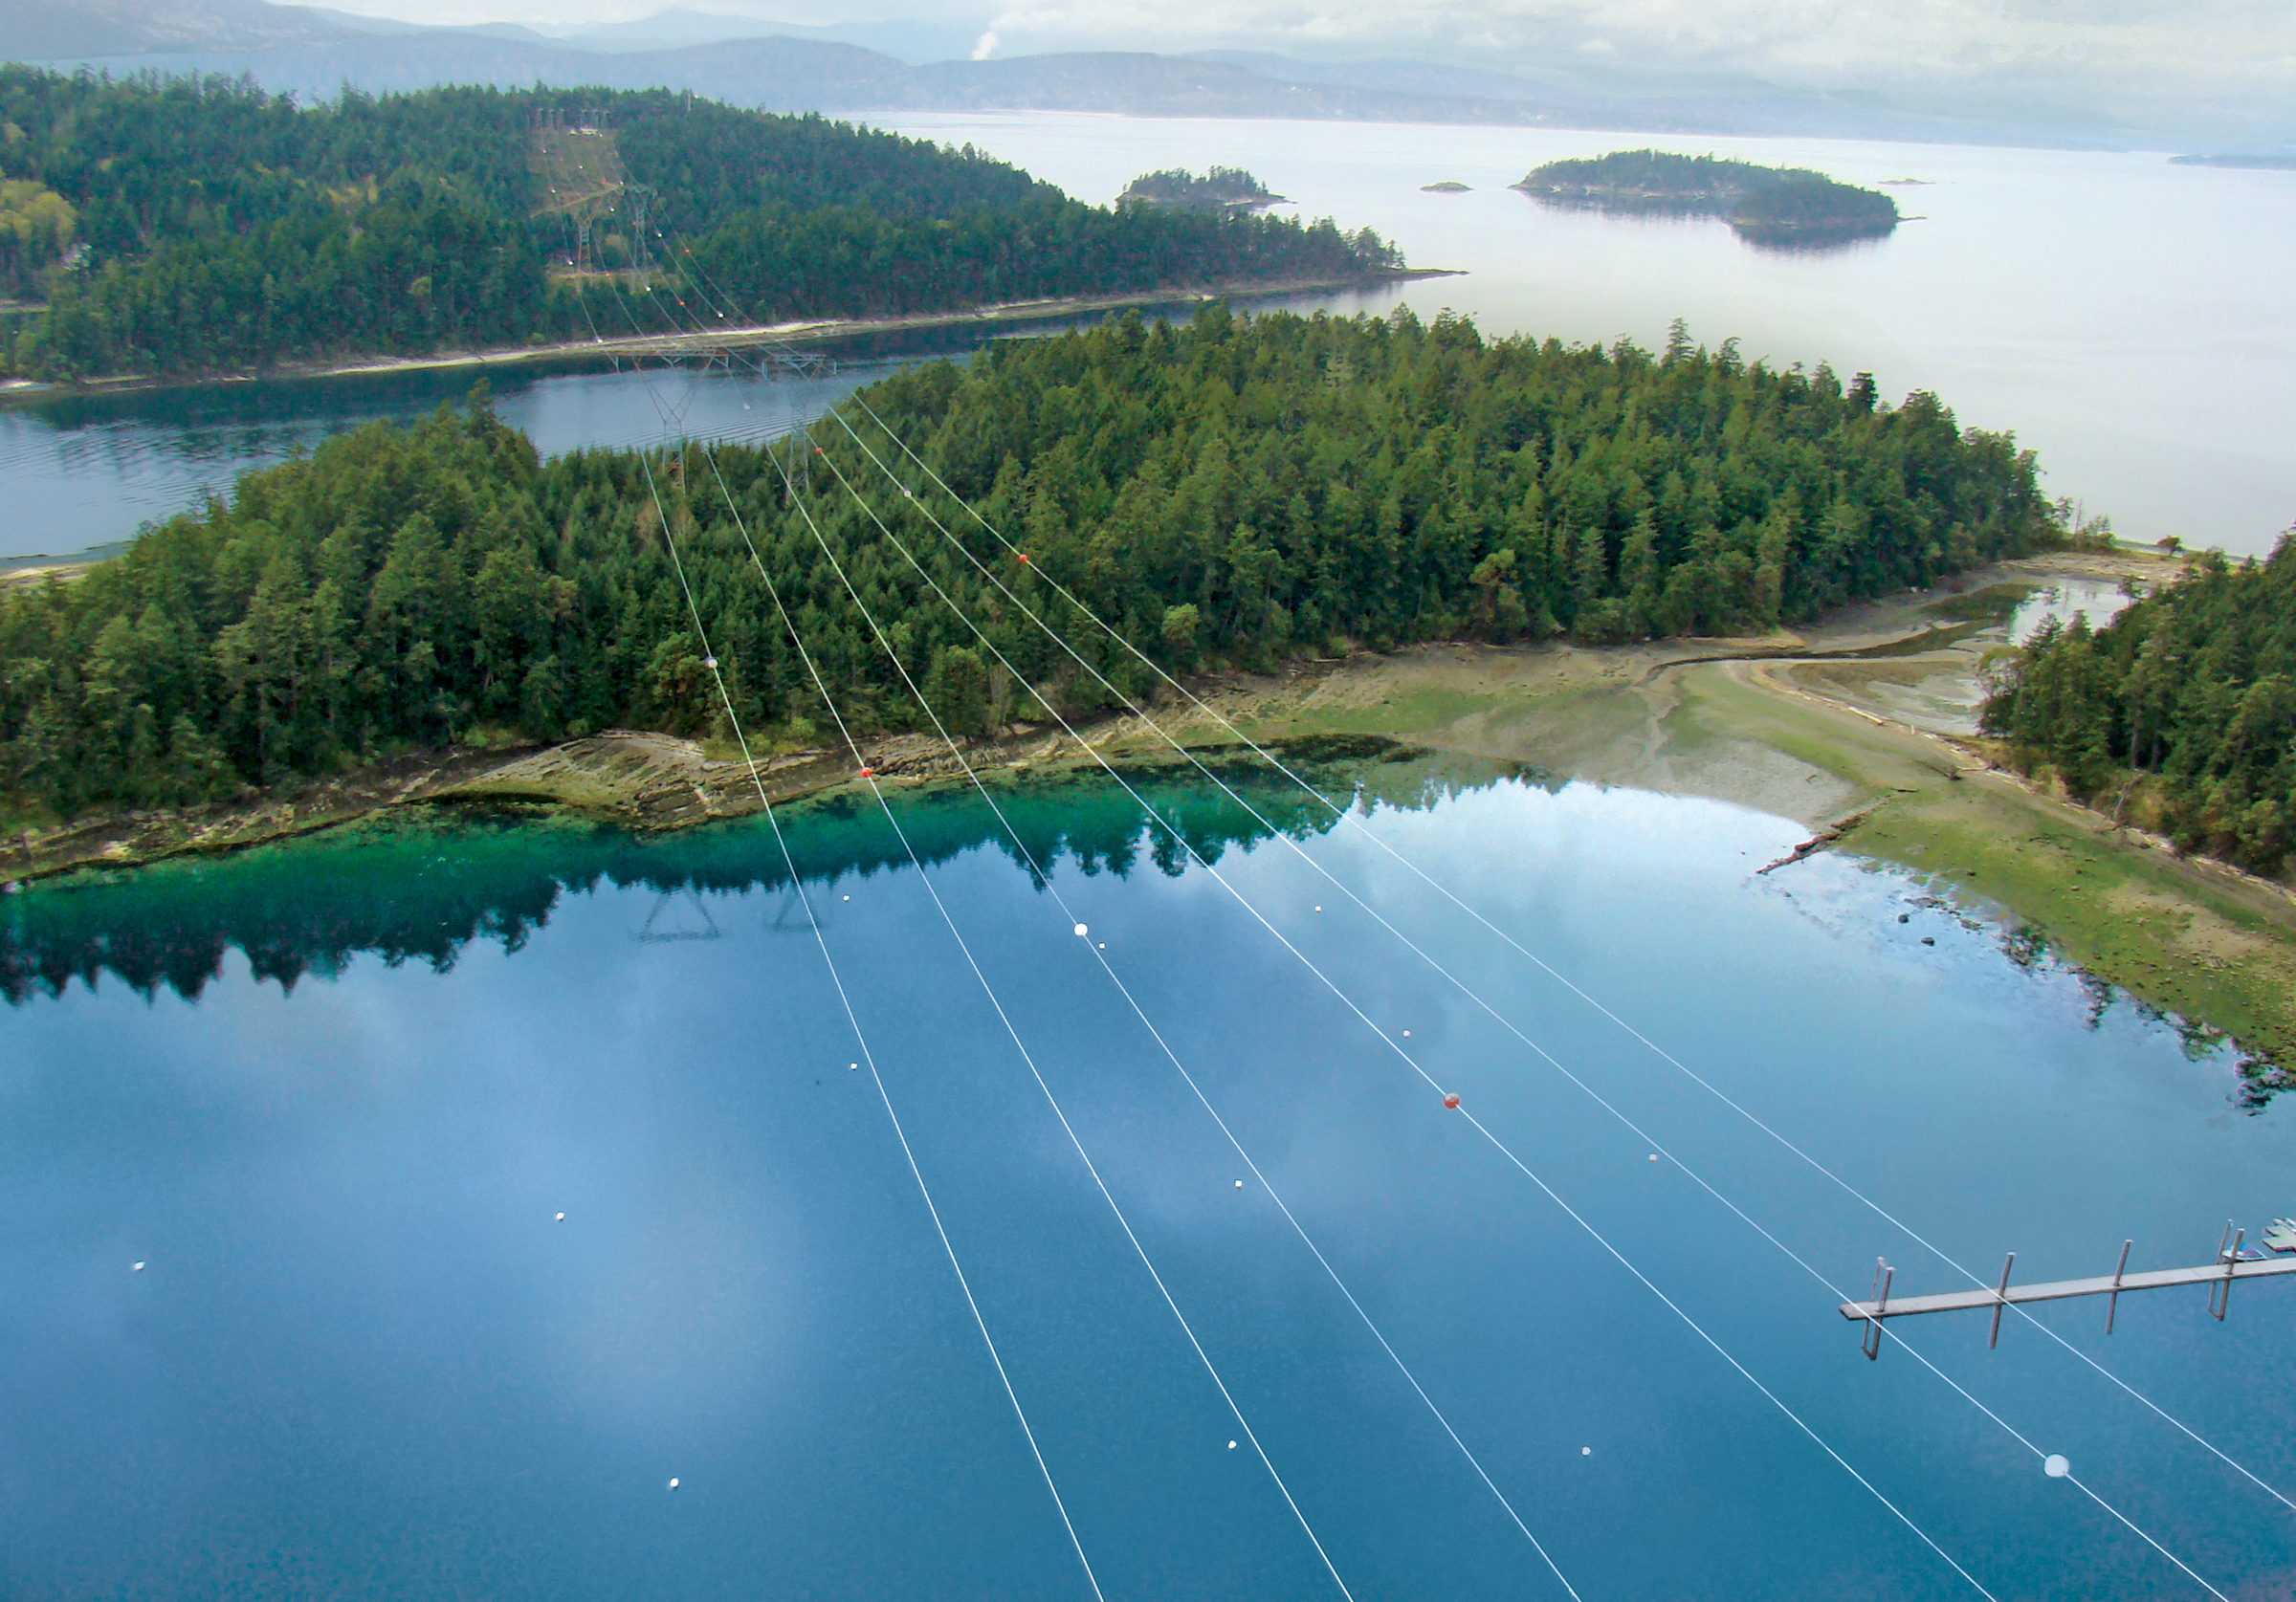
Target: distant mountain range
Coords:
[[43, 30], [316, 52]]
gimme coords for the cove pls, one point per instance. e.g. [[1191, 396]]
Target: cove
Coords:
[[333, 1093]]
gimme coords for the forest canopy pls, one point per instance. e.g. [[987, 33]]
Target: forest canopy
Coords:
[[1230, 492], [186, 226], [2180, 712]]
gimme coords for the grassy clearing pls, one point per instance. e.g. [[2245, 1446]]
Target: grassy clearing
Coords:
[[2176, 934]]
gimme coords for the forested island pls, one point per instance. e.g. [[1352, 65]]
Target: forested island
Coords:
[[2262, 163], [187, 227], [1767, 205], [2179, 716], [1232, 493], [1220, 188]]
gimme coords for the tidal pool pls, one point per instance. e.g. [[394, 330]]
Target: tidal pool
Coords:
[[333, 1095]]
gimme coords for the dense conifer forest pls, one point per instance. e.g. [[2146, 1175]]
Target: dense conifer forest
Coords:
[[1230, 492], [180, 226], [2185, 705]]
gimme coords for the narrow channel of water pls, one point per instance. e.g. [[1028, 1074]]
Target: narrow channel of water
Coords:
[[86, 471], [2126, 319]]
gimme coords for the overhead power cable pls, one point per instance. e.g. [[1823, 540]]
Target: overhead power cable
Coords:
[[861, 1038], [1067, 912], [1698, 1179], [1235, 1409], [1041, 874], [1406, 1056], [852, 1021], [850, 491], [1346, 814]]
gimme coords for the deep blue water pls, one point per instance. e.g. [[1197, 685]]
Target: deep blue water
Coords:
[[364, 1358]]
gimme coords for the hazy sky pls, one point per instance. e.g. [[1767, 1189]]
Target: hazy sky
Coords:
[[2110, 58]]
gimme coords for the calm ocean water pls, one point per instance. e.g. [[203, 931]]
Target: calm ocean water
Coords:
[[332, 1097], [2126, 319]]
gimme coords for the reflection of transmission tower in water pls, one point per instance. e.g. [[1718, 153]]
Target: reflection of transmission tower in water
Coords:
[[648, 935]]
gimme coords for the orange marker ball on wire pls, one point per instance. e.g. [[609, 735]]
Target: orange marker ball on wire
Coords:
[[1451, 1099]]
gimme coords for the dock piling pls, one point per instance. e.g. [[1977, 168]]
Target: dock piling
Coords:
[[2219, 1294], [1883, 1274], [2217, 1276], [2000, 1301]]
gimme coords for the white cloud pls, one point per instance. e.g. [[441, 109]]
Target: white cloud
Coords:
[[2109, 55], [2113, 57], [985, 48]]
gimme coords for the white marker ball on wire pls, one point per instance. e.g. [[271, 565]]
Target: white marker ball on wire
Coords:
[[673, 1483], [1080, 931], [2057, 1465]]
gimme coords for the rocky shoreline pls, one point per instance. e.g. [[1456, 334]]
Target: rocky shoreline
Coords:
[[641, 780]]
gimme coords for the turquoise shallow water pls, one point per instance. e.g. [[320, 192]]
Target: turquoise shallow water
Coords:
[[356, 1077]]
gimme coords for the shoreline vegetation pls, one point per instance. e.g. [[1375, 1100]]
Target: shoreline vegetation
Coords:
[[587, 349], [1813, 725], [186, 227], [1222, 188], [1672, 569], [1773, 207], [2178, 715], [1272, 483]]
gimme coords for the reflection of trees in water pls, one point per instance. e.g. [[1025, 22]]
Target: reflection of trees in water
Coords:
[[421, 885], [2260, 1077]]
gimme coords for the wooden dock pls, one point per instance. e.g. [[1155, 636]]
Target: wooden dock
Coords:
[[2057, 1291]]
